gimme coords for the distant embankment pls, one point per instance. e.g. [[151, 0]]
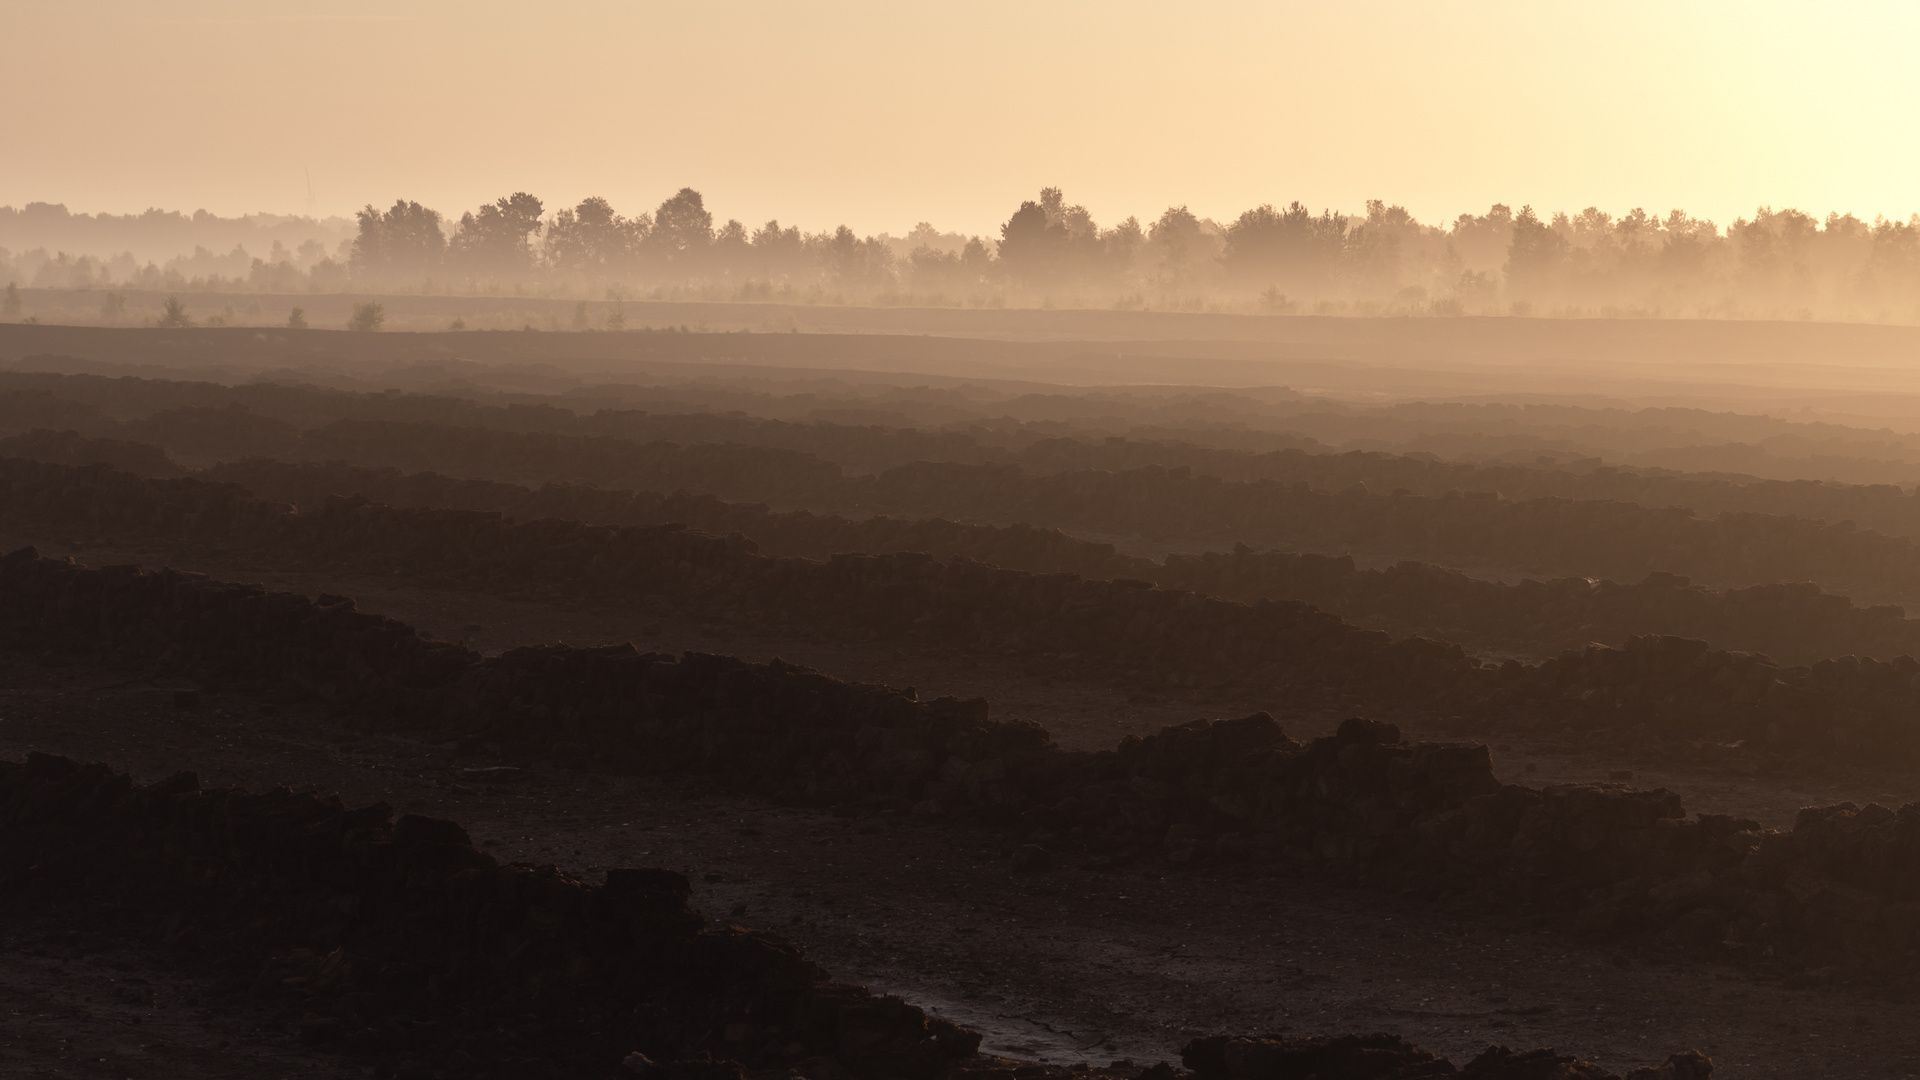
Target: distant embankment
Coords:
[[1398, 356]]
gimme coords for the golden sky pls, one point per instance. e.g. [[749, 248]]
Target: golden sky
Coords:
[[880, 114]]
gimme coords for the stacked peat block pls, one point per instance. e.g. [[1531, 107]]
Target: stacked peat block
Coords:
[[538, 456], [190, 623], [1781, 620], [1606, 538], [1655, 688], [1431, 816], [401, 938]]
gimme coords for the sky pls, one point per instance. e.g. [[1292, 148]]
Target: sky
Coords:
[[882, 114]]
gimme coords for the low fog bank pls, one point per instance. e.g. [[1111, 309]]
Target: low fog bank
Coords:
[[1271, 259]]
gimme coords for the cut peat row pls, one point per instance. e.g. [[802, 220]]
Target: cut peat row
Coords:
[[1794, 624], [258, 418], [1235, 797], [1540, 533], [1652, 692], [1589, 537]]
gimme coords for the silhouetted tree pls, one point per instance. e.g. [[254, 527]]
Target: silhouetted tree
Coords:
[[1376, 251], [327, 275], [405, 242], [777, 252], [1031, 246], [497, 240], [1182, 247], [1291, 248], [591, 240], [1121, 246], [851, 261], [682, 227], [279, 276], [1482, 242], [1081, 258], [1774, 254], [732, 251], [934, 271], [1778, 262], [1892, 270], [10, 306], [1534, 257], [173, 314], [976, 259], [368, 317], [1691, 247]]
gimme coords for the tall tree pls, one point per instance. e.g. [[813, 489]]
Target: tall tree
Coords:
[[852, 261], [497, 240], [1534, 257], [1774, 254], [1183, 248], [592, 240], [731, 248], [777, 252], [1031, 246], [403, 242], [1482, 241], [682, 227], [1291, 248], [1892, 270]]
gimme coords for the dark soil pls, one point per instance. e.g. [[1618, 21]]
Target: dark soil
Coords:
[[1084, 705], [81, 1005], [1066, 964]]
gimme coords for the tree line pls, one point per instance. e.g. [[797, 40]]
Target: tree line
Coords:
[[1274, 259]]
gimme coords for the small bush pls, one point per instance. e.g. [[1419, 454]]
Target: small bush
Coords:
[[173, 314], [368, 317]]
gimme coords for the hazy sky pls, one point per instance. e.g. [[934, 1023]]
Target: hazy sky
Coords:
[[881, 114]]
